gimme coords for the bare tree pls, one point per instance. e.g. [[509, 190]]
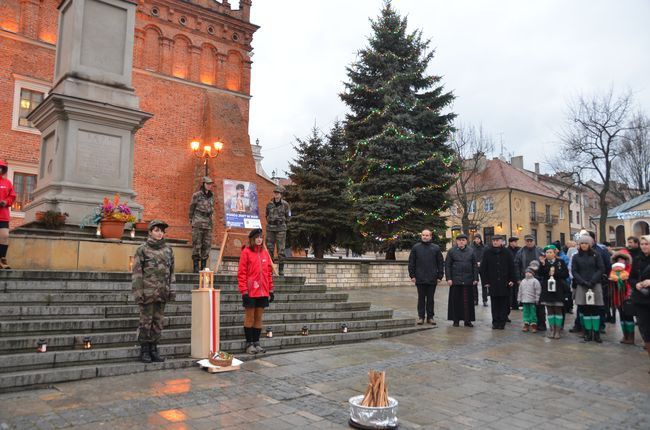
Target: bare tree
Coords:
[[632, 169], [591, 142], [471, 146]]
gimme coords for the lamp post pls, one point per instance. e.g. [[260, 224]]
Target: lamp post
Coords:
[[206, 151]]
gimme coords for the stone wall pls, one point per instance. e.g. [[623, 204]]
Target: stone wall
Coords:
[[343, 273]]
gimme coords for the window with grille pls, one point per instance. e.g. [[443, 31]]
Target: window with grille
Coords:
[[29, 100], [24, 185], [28, 95]]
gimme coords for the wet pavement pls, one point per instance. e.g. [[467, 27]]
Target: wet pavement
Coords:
[[446, 377]]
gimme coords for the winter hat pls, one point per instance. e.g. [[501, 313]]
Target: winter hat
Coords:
[[529, 270], [534, 265], [254, 233], [618, 266], [585, 239], [547, 247]]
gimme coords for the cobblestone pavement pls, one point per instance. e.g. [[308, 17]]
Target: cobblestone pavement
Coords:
[[446, 377]]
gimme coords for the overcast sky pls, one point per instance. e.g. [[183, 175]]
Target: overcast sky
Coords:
[[512, 65]]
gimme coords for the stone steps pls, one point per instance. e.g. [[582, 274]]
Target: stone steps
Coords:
[[54, 367], [69, 298], [73, 340], [64, 307]]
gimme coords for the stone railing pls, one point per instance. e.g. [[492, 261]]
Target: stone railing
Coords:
[[340, 273]]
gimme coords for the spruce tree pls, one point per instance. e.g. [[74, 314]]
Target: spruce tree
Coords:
[[320, 214], [400, 164]]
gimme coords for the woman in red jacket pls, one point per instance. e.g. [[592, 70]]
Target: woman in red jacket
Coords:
[[255, 279], [7, 197]]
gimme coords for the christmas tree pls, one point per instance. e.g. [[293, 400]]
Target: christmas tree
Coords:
[[321, 215], [400, 165]]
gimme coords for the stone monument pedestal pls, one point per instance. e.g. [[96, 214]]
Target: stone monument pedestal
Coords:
[[89, 120]]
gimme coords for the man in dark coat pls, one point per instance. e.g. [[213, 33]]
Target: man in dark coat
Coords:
[[530, 252], [514, 248], [498, 275], [478, 248], [426, 268], [461, 272]]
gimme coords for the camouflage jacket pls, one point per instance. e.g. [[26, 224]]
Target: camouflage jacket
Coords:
[[153, 272], [201, 209], [277, 215]]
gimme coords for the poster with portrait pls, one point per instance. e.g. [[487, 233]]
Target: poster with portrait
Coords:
[[240, 204]]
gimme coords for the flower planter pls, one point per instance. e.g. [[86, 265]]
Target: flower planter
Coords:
[[112, 229]]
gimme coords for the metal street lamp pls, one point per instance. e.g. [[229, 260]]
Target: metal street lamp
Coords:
[[206, 151]]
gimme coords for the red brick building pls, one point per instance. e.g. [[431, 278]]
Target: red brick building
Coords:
[[192, 71]]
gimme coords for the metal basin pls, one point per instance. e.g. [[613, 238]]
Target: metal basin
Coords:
[[364, 417]]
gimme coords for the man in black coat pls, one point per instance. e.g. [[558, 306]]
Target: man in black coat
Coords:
[[426, 268], [514, 248], [461, 272], [498, 275]]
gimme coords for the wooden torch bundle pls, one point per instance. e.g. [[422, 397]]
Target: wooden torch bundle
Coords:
[[377, 392]]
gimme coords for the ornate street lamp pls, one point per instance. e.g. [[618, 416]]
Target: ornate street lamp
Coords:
[[206, 151]]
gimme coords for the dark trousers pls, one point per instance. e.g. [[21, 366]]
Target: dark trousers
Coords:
[[514, 291], [541, 317], [499, 306], [579, 311], [425, 299]]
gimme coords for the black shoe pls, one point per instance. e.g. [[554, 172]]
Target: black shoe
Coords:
[[456, 324], [502, 327], [508, 320], [155, 356], [602, 329], [485, 304], [597, 337], [589, 335], [542, 328], [476, 303], [495, 327], [145, 353], [469, 324]]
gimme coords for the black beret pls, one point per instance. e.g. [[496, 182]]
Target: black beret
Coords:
[[254, 233], [461, 236]]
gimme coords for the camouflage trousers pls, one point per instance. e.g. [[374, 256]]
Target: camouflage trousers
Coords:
[[201, 243], [278, 238], [151, 322]]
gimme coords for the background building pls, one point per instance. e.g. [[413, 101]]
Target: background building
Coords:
[[192, 71], [511, 202]]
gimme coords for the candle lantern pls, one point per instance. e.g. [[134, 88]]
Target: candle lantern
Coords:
[[98, 232], [344, 328], [305, 331], [269, 332], [551, 284], [206, 278], [87, 344], [133, 233], [41, 345]]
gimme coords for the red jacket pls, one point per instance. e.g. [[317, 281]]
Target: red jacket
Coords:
[[8, 195], [255, 273]]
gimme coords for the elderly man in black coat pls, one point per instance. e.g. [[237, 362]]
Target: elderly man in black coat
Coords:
[[426, 268], [461, 272], [498, 274]]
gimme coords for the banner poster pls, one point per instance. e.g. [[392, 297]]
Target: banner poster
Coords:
[[240, 204]]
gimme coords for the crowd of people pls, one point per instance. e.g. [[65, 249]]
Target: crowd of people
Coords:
[[582, 277]]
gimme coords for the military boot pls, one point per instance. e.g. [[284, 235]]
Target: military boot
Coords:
[[195, 268], [155, 356], [3, 263], [204, 263], [597, 336], [145, 353]]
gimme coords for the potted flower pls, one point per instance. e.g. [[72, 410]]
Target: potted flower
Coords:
[[112, 216], [52, 219]]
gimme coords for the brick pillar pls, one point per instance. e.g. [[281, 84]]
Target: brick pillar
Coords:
[[246, 77], [195, 64], [221, 71], [29, 11], [166, 55], [138, 48], [245, 8]]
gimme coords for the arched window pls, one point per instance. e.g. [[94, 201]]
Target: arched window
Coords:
[[151, 51], [181, 58], [620, 235], [208, 69], [640, 228], [234, 69]]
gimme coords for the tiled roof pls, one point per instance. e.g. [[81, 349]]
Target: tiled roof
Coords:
[[500, 175]]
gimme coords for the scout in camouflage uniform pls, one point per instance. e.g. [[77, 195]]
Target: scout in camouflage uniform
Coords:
[[201, 209], [153, 275], [278, 213]]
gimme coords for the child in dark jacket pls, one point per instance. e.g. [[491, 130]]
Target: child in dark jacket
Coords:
[[553, 273]]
